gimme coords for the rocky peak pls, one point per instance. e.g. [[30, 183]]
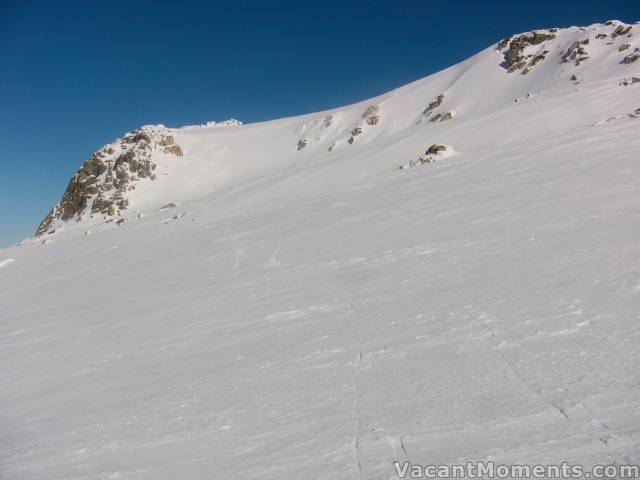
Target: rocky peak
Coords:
[[100, 185], [523, 52]]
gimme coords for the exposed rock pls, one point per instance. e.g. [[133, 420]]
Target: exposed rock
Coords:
[[538, 58], [576, 52], [621, 30], [503, 43], [328, 120], [442, 117], [632, 57], [371, 110], [435, 104], [167, 206], [429, 156], [301, 144], [356, 131], [624, 47], [601, 36], [435, 149], [371, 114], [514, 58], [100, 184], [629, 81], [174, 149]]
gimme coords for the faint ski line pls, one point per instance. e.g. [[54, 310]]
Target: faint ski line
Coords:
[[517, 375], [357, 368]]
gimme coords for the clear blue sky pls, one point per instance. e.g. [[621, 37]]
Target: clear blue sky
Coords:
[[76, 75]]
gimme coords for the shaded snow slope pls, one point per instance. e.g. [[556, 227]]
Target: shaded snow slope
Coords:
[[306, 313]]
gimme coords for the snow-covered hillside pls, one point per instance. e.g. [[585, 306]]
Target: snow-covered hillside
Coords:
[[446, 273]]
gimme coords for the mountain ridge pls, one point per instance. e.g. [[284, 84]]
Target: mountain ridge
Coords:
[[96, 192], [439, 292]]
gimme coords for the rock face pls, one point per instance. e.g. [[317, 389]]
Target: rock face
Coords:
[[442, 117], [514, 57], [576, 52], [621, 30], [354, 133], [371, 110], [435, 104], [371, 114], [99, 187], [632, 57]]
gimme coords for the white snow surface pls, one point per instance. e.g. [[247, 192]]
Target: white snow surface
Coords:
[[320, 314]]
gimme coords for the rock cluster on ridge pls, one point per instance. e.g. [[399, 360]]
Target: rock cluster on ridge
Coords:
[[100, 185]]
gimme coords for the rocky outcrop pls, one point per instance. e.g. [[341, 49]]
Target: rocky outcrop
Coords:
[[625, 82], [442, 117], [99, 187], [301, 144], [354, 133], [576, 52], [371, 115], [632, 57], [621, 30], [429, 156], [373, 120], [434, 104], [371, 110], [514, 57]]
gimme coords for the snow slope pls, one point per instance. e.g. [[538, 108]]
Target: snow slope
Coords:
[[321, 313]]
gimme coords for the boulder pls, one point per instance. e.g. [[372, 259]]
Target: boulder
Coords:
[[371, 110], [629, 81], [434, 104], [632, 57], [442, 117], [435, 149]]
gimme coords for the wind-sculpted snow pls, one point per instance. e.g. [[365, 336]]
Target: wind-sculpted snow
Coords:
[[270, 312]]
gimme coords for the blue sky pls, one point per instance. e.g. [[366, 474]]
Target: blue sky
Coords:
[[76, 75]]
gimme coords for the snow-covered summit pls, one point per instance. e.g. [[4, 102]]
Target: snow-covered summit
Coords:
[[142, 171], [446, 273]]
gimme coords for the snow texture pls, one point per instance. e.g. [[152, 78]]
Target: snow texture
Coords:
[[320, 313]]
